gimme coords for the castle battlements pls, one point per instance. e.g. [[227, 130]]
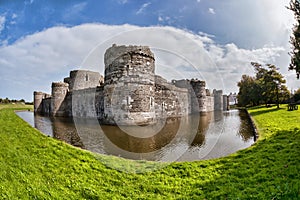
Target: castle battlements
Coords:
[[130, 92]]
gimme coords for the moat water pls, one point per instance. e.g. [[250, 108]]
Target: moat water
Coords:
[[213, 135]]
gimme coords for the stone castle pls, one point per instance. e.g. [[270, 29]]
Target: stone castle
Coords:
[[129, 94]]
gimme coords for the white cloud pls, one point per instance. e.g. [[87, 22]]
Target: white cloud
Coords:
[[255, 23], [142, 8], [29, 2], [14, 16], [2, 23], [33, 62], [165, 20], [122, 1], [75, 10], [211, 11]]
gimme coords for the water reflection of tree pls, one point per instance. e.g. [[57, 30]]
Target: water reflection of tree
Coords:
[[245, 130]]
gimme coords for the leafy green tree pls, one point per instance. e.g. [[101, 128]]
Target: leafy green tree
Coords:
[[6, 100], [249, 91], [267, 86], [285, 94], [271, 81], [297, 95], [295, 38]]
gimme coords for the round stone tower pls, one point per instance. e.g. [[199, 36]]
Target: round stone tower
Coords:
[[59, 92], [129, 85], [198, 98], [37, 101], [218, 100]]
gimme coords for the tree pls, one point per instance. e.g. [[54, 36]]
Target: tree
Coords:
[[297, 95], [6, 100], [295, 38], [249, 91], [267, 86]]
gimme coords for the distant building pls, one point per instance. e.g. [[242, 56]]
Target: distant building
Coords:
[[232, 99]]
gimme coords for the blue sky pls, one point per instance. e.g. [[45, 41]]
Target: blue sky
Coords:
[[41, 40]]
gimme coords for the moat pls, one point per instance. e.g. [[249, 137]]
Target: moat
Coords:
[[217, 134]]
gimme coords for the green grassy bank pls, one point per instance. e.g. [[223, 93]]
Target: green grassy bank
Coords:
[[33, 166]]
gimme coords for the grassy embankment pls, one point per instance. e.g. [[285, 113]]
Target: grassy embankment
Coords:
[[33, 166]]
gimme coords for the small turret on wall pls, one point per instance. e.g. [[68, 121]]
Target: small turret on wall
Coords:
[[59, 92], [37, 101]]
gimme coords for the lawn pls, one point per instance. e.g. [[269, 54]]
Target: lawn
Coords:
[[34, 166]]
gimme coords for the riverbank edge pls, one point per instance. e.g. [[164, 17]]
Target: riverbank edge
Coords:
[[252, 123]]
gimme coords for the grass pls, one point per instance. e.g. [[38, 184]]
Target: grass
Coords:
[[33, 166]]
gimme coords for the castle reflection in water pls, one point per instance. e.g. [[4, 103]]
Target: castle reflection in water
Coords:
[[192, 137]]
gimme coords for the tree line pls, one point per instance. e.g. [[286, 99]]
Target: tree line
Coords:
[[7, 100], [266, 87]]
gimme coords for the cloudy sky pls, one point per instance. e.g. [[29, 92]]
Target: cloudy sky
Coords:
[[212, 40]]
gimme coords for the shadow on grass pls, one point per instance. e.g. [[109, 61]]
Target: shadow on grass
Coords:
[[259, 112]]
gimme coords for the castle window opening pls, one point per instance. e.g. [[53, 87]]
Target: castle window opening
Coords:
[[151, 102], [86, 77]]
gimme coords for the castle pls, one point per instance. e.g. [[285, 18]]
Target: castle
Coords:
[[129, 94]]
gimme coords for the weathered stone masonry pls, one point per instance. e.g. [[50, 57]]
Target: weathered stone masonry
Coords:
[[130, 93]]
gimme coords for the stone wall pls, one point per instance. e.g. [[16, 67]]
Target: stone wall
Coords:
[[197, 94], [46, 106], [171, 101], [210, 103], [87, 103]]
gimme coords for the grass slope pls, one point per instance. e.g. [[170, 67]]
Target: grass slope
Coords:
[[33, 166]]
